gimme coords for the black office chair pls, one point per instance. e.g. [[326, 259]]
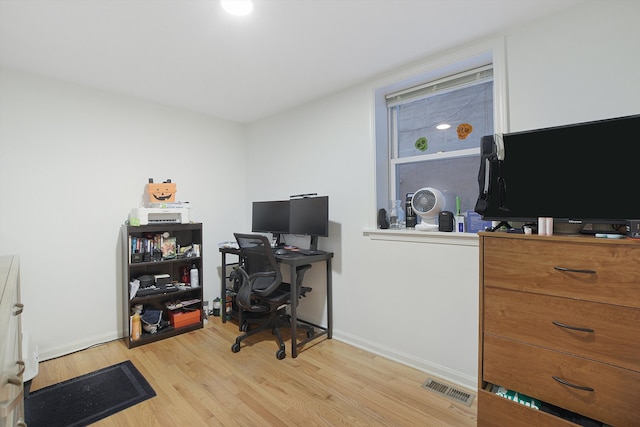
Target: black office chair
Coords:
[[262, 290]]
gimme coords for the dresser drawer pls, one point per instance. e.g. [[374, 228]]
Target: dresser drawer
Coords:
[[530, 370], [528, 317], [581, 269]]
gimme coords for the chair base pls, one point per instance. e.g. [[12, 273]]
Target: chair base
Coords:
[[275, 321]]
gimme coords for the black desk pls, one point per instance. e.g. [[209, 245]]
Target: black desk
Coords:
[[293, 261]]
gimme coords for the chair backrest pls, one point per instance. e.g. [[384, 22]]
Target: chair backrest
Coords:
[[263, 274]]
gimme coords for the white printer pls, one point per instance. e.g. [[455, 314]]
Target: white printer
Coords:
[[146, 216]]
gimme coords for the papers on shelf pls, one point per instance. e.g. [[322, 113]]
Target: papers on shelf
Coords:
[[134, 285], [174, 305]]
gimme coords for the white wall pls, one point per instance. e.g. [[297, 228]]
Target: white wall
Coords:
[[74, 161], [575, 67], [418, 302]]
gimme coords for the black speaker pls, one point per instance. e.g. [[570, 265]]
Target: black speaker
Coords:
[[383, 223], [445, 221]]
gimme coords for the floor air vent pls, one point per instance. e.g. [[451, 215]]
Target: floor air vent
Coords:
[[449, 391]]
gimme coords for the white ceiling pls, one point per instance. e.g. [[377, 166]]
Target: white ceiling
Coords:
[[191, 54]]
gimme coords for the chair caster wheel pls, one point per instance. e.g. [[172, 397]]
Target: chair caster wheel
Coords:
[[310, 333], [244, 327], [235, 347], [281, 354]]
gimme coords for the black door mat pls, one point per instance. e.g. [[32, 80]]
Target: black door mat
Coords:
[[88, 398]]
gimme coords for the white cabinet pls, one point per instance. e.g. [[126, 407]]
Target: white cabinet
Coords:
[[11, 362]]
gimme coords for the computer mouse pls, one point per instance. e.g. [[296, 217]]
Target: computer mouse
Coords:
[[281, 252]]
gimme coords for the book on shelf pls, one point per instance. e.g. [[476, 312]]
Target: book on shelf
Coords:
[[169, 248], [151, 248]]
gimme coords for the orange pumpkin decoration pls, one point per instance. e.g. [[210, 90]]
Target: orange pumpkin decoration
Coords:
[[161, 192]]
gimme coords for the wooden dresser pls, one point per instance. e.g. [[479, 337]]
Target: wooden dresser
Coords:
[[559, 322], [12, 365]]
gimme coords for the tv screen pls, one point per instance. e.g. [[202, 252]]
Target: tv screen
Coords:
[[309, 216], [579, 173], [270, 217]]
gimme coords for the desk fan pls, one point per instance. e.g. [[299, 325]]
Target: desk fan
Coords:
[[427, 203]]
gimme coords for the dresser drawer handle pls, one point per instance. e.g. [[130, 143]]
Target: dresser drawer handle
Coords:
[[573, 270], [575, 328], [7, 406], [579, 387], [21, 364]]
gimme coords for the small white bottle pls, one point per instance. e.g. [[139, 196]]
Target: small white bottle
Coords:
[[542, 226], [194, 279], [549, 226]]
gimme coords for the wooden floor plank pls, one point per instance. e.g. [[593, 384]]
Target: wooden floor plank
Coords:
[[200, 382]]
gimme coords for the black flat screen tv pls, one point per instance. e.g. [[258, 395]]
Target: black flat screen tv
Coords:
[[579, 173]]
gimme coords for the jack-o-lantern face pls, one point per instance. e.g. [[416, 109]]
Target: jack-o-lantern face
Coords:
[[464, 130], [162, 192]]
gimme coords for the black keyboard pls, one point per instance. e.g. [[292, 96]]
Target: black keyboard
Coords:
[[308, 252], [294, 252]]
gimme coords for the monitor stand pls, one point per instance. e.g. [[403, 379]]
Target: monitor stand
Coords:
[[278, 239], [314, 243]]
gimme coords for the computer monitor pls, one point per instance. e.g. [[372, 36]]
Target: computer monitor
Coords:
[[309, 216], [271, 217]]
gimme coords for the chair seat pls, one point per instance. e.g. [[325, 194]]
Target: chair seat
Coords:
[[280, 296], [268, 303]]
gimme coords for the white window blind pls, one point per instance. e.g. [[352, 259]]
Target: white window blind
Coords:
[[454, 82]]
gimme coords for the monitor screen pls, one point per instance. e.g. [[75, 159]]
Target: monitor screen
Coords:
[[309, 216], [270, 217]]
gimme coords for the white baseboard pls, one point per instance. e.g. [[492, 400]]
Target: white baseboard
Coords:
[[442, 372], [52, 353]]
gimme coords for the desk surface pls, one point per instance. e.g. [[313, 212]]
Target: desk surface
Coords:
[[291, 257], [295, 260]]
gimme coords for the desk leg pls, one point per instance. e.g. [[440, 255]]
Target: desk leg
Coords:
[[329, 300], [223, 288], [294, 312]]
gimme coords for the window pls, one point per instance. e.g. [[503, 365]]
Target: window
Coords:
[[429, 127], [435, 133]]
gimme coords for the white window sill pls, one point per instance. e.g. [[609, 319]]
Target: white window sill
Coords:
[[433, 237]]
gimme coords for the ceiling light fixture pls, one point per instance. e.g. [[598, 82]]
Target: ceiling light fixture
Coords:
[[237, 7], [443, 126]]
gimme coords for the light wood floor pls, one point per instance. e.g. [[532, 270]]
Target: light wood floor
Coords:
[[200, 382]]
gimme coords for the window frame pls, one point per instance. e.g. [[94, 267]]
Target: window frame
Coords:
[[490, 52]]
